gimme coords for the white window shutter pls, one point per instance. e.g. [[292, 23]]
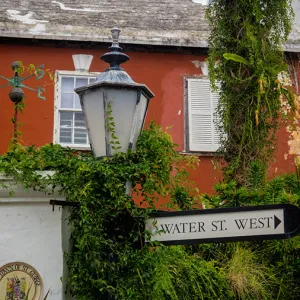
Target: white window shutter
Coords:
[[202, 103]]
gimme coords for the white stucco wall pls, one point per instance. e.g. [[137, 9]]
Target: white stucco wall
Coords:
[[31, 232]]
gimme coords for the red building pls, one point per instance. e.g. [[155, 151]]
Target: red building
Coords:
[[167, 43]]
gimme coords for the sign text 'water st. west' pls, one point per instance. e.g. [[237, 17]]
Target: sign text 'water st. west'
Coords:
[[225, 224]]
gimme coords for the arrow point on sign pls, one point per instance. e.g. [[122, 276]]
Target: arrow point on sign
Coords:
[[276, 222]]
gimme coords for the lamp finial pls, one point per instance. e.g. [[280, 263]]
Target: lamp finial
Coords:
[[115, 57], [115, 33]]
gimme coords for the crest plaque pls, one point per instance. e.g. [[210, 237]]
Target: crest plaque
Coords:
[[20, 281]]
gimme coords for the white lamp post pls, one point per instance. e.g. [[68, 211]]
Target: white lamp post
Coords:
[[114, 99]]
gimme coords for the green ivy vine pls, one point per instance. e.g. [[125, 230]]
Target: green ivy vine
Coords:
[[108, 257], [245, 58]]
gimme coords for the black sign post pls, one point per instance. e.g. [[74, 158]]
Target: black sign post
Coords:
[[249, 223]]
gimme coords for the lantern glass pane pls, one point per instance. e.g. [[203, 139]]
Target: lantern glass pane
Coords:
[[93, 108], [138, 120], [123, 104], [114, 117]]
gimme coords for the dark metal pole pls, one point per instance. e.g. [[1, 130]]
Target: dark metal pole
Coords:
[[15, 121]]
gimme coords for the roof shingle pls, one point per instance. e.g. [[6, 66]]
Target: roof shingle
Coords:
[[155, 22]]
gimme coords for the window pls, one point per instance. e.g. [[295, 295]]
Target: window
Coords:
[[69, 124], [202, 132]]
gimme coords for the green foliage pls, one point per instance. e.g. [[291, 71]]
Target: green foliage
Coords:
[[110, 127], [275, 264], [257, 174], [248, 279], [236, 58], [283, 189], [246, 269], [177, 275], [108, 255], [245, 58]]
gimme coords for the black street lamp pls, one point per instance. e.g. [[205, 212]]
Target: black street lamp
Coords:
[[114, 106]]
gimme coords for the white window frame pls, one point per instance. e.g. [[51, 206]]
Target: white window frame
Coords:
[[195, 145], [57, 103]]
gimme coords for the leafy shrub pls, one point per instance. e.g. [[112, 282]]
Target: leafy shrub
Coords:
[[170, 273], [108, 259], [248, 279], [280, 256]]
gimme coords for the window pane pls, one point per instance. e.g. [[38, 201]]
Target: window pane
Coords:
[[92, 79], [77, 102], [79, 120], [80, 136], [65, 135], [67, 85], [81, 82], [66, 100], [66, 119], [72, 128]]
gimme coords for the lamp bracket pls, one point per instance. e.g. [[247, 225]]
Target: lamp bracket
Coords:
[[63, 203]]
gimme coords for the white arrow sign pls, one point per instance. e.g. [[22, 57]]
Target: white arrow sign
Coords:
[[229, 224]]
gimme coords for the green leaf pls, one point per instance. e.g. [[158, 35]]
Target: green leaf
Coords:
[[236, 58]]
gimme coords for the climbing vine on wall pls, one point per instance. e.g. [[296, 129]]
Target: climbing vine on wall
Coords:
[[108, 256], [108, 259], [245, 57]]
